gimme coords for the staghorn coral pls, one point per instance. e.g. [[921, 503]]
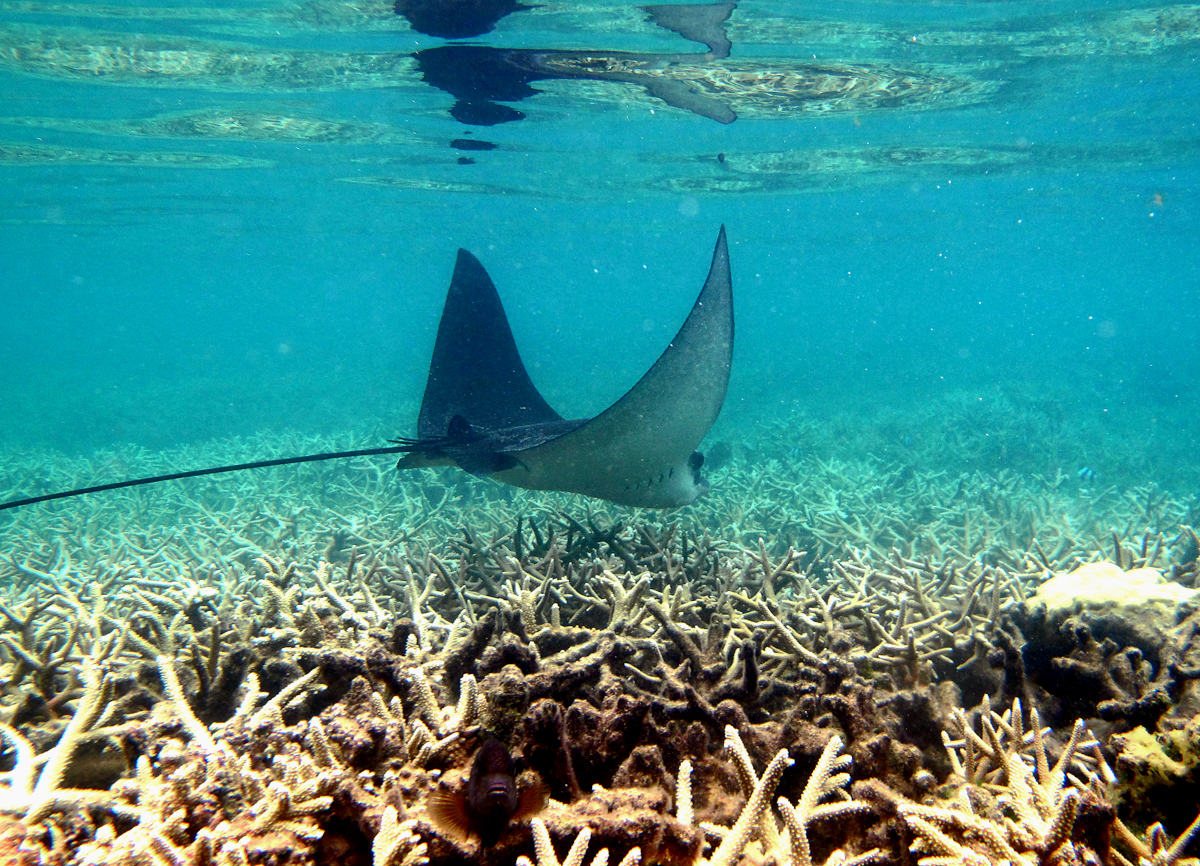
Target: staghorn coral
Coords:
[[544, 850], [823, 782], [397, 842], [1006, 802], [1154, 847], [35, 794], [335, 656]]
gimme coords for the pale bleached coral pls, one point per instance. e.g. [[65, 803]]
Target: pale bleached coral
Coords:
[[1008, 805], [545, 855], [34, 794], [1154, 847], [755, 817], [757, 822], [371, 584], [285, 798], [1104, 587], [397, 843], [827, 778]]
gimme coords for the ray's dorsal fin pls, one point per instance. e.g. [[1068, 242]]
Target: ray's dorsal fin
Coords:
[[476, 371]]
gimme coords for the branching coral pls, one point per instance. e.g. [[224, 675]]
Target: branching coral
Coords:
[[35, 794], [397, 842], [1032, 817], [544, 850], [1155, 848], [825, 780], [204, 803], [300, 674], [756, 820]]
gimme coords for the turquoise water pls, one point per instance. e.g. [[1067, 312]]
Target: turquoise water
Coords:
[[243, 217]]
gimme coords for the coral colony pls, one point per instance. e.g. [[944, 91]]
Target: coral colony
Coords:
[[819, 663]]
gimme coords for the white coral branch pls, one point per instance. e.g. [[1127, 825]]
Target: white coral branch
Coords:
[[543, 850], [823, 782]]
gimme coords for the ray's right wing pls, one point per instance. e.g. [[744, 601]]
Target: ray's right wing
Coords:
[[639, 450]]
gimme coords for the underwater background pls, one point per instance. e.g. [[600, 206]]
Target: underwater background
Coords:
[[940, 215], [952, 526]]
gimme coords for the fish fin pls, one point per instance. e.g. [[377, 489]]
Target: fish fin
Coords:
[[447, 812], [532, 799]]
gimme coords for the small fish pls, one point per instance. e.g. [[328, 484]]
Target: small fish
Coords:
[[491, 800], [1087, 475]]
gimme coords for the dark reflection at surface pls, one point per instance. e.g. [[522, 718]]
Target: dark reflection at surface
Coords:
[[456, 19], [481, 78], [472, 144], [703, 23]]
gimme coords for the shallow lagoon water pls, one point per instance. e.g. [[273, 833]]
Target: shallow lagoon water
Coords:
[[212, 206], [965, 261]]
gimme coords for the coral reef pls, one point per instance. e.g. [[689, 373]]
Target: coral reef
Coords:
[[218, 675]]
